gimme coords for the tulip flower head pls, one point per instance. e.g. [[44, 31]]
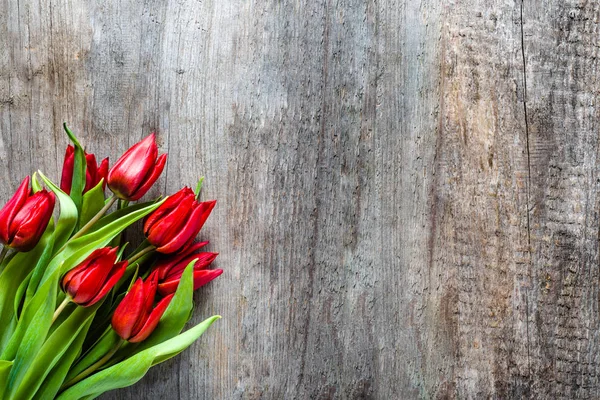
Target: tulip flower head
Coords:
[[93, 173], [136, 317], [137, 170], [25, 217], [175, 224], [171, 269], [94, 277]]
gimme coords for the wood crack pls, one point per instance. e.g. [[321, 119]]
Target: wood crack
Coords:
[[528, 188]]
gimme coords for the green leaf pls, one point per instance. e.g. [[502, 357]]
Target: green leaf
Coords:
[[79, 166], [74, 253], [35, 184], [199, 187], [25, 384], [177, 313], [76, 250], [67, 218], [33, 339], [93, 202], [4, 371], [15, 272], [56, 377], [40, 267], [115, 215], [106, 343], [20, 293], [128, 372], [173, 320]]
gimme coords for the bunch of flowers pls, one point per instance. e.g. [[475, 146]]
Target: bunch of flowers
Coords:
[[80, 313]]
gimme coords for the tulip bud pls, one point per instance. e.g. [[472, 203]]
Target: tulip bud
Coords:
[[136, 317], [137, 170], [25, 217], [171, 269], [175, 224], [95, 276], [93, 173]]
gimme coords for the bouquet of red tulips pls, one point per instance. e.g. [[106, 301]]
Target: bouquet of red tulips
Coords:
[[80, 312]]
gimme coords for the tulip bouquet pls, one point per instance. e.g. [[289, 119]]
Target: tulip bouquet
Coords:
[[82, 313]]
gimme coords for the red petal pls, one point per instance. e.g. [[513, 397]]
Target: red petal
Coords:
[[31, 221], [115, 274], [168, 287], [91, 172], [67, 172], [204, 276], [203, 260], [191, 229], [172, 224], [150, 290], [128, 311], [151, 178], [98, 268], [152, 321], [71, 280], [165, 208], [8, 212], [103, 172], [128, 173]]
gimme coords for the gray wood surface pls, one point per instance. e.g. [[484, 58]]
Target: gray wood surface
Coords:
[[407, 190]]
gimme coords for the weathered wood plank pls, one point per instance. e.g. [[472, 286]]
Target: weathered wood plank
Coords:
[[407, 189]]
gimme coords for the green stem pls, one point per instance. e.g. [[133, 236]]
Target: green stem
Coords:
[[92, 221], [60, 308], [3, 254], [138, 255], [122, 204], [92, 368]]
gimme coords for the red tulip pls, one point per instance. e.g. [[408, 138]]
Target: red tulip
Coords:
[[89, 282], [135, 317], [93, 172], [177, 221], [169, 271], [137, 170], [25, 217]]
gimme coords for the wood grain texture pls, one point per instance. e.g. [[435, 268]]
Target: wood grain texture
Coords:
[[407, 189]]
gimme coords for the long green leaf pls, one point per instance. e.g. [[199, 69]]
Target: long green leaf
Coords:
[[106, 343], [130, 371], [4, 371], [56, 377], [32, 341], [177, 313], [173, 320], [118, 214], [79, 166], [75, 252], [67, 219], [51, 352], [39, 269], [85, 244], [15, 272], [21, 293], [93, 201], [64, 226]]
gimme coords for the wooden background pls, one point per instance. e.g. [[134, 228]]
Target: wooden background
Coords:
[[408, 190]]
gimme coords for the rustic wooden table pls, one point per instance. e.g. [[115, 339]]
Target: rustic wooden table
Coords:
[[407, 189]]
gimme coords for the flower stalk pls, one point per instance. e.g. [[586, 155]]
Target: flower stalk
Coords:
[[61, 308], [95, 218], [92, 368], [140, 254]]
